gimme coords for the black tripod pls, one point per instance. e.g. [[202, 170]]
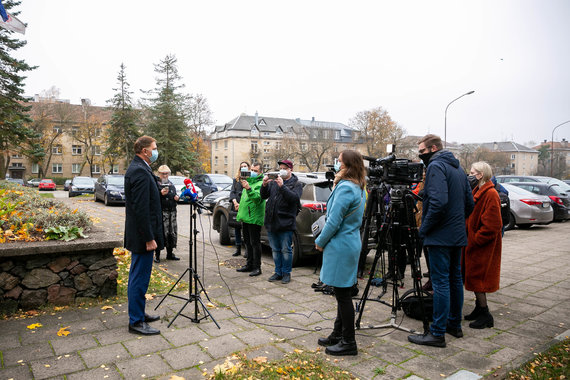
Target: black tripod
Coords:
[[193, 277], [397, 233]]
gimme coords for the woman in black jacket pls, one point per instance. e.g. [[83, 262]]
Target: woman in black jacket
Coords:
[[168, 200], [235, 197]]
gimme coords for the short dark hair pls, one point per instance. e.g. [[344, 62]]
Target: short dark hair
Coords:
[[430, 140], [256, 164], [143, 142]]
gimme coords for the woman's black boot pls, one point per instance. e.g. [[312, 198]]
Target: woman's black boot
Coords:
[[331, 340], [485, 319], [475, 313], [238, 251], [343, 348]]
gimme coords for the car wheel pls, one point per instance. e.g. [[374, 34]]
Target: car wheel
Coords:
[[296, 248], [224, 231], [511, 223], [105, 200]]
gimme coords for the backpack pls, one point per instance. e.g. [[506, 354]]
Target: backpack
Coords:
[[505, 206]]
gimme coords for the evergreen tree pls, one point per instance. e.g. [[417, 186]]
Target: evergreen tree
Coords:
[[123, 130], [167, 122], [14, 133]]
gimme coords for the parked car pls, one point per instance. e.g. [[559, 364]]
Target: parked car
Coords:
[[566, 181], [559, 200], [81, 185], [178, 182], [528, 208], [110, 188], [34, 182], [211, 182], [19, 181], [211, 199], [315, 194], [67, 185], [533, 178], [46, 184]]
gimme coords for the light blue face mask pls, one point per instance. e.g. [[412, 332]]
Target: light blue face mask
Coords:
[[253, 174], [154, 155], [337, 166]]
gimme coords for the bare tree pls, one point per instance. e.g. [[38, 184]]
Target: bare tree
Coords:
[[377, 129]]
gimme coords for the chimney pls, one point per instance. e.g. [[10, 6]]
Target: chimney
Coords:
[[495, 146], [256, 119], [313, 119], [564, 143]]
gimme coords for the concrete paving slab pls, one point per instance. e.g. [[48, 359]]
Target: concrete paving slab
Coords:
[[186, 356], [66, 344], [26, 354], [148, 365], [105, 373], [104, 355], [54, 366], [19, 372]]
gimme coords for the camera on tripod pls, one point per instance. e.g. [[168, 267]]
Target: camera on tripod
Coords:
[[394, 171]]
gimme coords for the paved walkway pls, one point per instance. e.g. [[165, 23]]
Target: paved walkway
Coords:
[[532, 307]]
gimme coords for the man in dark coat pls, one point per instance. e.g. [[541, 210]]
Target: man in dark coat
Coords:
[[447, 203], [283, 196], [143, 230]]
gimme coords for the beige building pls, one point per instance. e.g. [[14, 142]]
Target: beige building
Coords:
[[73, 137], [521, 159], [310, 144]]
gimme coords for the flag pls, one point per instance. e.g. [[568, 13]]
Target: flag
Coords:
[[9, 22]]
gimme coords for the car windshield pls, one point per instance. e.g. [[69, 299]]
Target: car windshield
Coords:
[[116, 181], [177, 181], [563, 186], [322, 192], [221, 180], [515, 190], [46, 181], [83, 181]]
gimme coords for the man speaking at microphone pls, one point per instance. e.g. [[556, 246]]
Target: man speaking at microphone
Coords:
[[143, 231]]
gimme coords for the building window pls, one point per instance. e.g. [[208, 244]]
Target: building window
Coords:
[[226, 144], [97, 132], [303, 147], [254, 131], [35, 168], [266, 167], [16, 155], [96, 150], [115, 169], [279, 131], [216, 145], [225, 160], [265, 133], [254, 146], [75, 168], [57, 129], [512, 156], [17, 165], [216, 160], [337, 135], [57, 149], [57, 168], [278, 145], [74, 131], [513, 165], [96, 169], [76, 150], [265, 150], [266, 143]]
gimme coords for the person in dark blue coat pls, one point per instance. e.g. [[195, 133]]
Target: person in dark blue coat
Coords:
[[143, 230], [447, 203]]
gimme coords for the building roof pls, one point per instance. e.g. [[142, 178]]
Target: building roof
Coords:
[[507, 146]]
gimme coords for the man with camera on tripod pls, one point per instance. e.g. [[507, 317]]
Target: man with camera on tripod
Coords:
[[447, 203]]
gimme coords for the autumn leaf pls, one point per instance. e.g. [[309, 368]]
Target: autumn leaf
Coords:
[[107, 307], [174, 377], [63, 331], [149, 297], [34, 326], [260, 359]]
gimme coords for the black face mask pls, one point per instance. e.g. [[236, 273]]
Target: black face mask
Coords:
[[426, 157], [473, 181]]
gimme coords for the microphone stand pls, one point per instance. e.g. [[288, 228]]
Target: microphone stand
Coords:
[[193, 277]]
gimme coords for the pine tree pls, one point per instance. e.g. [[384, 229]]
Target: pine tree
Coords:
[[123, 130], [167, 122], [14, 132]]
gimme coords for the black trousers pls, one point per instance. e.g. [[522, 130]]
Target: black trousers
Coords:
[[344, 322], [252, 239]]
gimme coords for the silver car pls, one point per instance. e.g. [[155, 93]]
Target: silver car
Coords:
[[178, 182], [528, 208]]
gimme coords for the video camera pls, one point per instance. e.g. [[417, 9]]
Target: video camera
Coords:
[[394, 171]]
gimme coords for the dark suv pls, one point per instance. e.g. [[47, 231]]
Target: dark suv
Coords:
[[110, 188], [211, 182], [316, 191]]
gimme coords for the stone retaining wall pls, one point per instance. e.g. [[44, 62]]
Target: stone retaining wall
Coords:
[[55, 272]]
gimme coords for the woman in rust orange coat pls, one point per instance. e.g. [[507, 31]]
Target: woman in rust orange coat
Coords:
[[481, 259]]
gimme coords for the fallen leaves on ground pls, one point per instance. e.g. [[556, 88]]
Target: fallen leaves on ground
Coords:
[[63, 331], [34, 326]]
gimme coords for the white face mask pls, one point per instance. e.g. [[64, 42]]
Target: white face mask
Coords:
[[283, 173]]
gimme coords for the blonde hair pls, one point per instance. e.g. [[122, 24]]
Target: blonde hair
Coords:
[[483, 168]]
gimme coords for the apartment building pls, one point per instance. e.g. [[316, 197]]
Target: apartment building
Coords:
[[308, 143], [521, 159]]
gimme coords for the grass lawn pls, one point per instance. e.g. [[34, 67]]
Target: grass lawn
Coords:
[[552, 364]]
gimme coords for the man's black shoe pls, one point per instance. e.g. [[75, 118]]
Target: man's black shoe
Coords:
[[428, 339], [330, 340], [458, 333], [172, 257], [342, 348], [255, 272], [143, 328], [151, 318], [236, 253], [275, 277], [286, 278], [245, 268]]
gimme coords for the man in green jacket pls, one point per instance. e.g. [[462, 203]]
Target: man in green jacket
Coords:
[[251, 212]]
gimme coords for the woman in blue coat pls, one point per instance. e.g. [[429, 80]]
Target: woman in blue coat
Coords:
[[340, 243]]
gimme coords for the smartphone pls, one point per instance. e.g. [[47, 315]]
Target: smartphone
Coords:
[[272, 175]]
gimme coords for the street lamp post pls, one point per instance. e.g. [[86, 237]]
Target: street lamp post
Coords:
[[445, 121], [552, 146]]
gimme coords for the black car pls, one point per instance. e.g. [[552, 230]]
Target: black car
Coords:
[[559, 199], [81, 185], [212, 199], [316, 191], [110, 188], [211, 182], [67, 185]]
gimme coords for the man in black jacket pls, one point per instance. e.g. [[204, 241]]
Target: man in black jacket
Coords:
[[143, 230], [168, 199], [283, 196]]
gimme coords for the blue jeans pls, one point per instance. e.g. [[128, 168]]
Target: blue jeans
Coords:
[[238, 236], [282, 253], [139, 278], [445, 274]]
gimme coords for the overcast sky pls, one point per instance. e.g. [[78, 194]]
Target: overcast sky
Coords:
[[322, 59]]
